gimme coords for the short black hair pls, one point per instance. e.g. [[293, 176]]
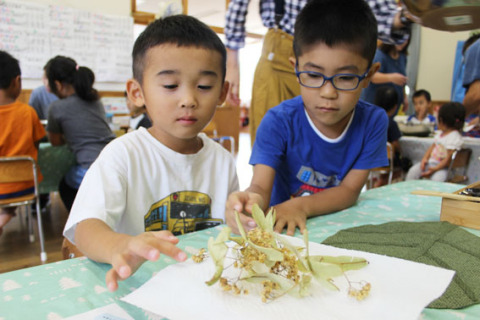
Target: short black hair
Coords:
[[182, 30], [471, 40], [386, 97], [65, 70], [422, 92], [10, 69], [335, 22], [452, 114]]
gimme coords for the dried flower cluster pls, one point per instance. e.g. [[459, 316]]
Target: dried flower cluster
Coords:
[[361, 293], [263, 257]]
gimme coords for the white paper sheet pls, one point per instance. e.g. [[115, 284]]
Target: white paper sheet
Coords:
[[400, 290]]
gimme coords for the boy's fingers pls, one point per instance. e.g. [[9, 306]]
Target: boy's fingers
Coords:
[[247, 222], [171, 250], [302, 226], [279, 226], [235, 202], [166, 235], [291, 228], [151, 250], [111, 279]]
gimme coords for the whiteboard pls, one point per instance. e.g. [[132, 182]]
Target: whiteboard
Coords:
[[34, 33]]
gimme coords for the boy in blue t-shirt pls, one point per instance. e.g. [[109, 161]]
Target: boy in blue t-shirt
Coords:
[[326, 139]]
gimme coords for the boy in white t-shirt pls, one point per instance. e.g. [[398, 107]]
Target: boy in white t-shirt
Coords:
[[169, 179], [434, 164]]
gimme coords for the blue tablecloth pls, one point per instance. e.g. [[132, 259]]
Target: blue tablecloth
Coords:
[[70, 287], [54, 162]]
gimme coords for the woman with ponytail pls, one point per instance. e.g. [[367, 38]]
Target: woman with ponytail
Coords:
[[77, 119]]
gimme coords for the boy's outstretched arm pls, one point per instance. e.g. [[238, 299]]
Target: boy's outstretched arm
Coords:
[[124, 252], [293, 213], [258, 192]]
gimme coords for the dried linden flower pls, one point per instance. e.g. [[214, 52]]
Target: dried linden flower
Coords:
[[262, 257]]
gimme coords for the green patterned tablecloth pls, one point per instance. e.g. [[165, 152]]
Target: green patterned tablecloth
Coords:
[[54, 162], [66, 288]]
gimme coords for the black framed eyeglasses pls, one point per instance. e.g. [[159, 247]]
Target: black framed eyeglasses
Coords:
[[340, 81]]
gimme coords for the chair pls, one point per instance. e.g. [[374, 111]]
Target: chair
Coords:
[[212, 132], [69, 250], [459, 161], [383, 170], [21, 169]]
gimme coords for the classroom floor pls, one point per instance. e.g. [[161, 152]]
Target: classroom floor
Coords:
[[16, 252]]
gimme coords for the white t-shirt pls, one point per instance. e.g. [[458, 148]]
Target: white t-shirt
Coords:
[[137, 184], [443, 142]]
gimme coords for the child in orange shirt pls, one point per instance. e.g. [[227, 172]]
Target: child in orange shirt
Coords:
[[21, 130]]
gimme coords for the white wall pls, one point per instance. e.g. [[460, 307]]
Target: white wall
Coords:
[[437, 54]]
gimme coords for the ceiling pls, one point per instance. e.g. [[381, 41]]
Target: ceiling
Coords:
[[212, 12]]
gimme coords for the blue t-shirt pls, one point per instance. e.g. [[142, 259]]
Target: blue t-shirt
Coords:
[[387, 65], [472, 64], [40, 100], [304, 162]]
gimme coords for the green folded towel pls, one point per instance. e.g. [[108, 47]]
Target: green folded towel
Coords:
[[434, 243]]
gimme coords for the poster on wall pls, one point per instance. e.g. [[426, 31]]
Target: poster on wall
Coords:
[[33, 33]]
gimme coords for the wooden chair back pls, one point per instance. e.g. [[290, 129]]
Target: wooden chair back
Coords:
[[387, 169], [460, 160], [16, 169]]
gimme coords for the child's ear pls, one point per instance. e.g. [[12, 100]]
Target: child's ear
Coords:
[[292, 61], [17, 83], [373, 69], [135, 93], [58, 86], [223, 93]]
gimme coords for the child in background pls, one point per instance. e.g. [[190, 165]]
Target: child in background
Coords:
[[21, 130], [386, 97], [422, 102], [170, 179], [434, 164], [326, 139], [77, 119], [138, 115], [41, 98]]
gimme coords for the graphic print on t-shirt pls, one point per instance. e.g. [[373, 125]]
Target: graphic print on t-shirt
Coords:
[[181, 212], [313, 182]]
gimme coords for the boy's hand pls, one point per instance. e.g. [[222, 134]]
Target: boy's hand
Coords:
[[242, 202], [290, 219], [129, 255]]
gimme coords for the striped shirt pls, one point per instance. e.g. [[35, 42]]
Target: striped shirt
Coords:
[[384, 11]]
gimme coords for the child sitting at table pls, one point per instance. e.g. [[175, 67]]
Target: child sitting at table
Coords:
[[148, 185], [422, 102], [313, 153], [386, 97], [21, 130], [138, 115], [434, 164]]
